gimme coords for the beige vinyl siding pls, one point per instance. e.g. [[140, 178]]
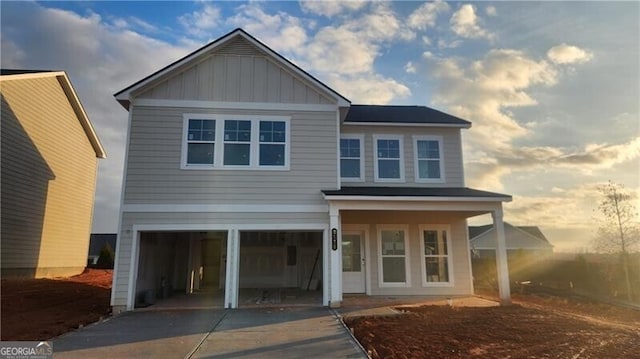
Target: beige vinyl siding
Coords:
[[154, 174], [48, 181], [237, 72], [451, 147], [459, 251], [219, 219]]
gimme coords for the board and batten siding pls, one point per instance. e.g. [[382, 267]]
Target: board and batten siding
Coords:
[[236, 72], [462, 280], [451, 147], [48, 181], [154, 175]]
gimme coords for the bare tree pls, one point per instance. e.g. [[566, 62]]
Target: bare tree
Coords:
[[619, 231]]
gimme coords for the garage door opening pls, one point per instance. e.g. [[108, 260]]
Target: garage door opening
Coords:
[[181, 269], [280, 268]]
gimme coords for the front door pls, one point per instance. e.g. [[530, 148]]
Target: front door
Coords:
[[353, 262]]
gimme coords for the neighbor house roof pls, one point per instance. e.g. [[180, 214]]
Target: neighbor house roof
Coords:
[[448, 193], [72, 96], [527, 237], [124, 95], [411, 115]]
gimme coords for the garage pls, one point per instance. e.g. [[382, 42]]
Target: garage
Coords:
[[280, 268], [181, 265]]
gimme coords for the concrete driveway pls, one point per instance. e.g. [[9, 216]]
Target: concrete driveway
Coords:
[[291, 332]]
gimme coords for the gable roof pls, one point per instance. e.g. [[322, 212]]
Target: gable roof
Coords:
[[527, 237], [123, 96], [413, 115], [72, 96]]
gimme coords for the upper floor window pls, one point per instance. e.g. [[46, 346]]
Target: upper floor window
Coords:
[[388, 161], [428, 159], [351, 161], [201, 142], [234, 142]]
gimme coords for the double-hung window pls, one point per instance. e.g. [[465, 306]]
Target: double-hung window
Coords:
[[351, 161], [428, 159], [393, 258], [436, 249], [388, 161], [273, 138], [201, 136], [235, 142]]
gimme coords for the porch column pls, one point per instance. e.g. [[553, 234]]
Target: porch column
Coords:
[[501, 258], [335, 262], [232, 270]]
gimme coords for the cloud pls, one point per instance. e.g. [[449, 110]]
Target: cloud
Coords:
[[201, 22], [426, 15], [331, 8], [465, 23], [369, 88], [410, 68], [491, 10], [91, 52], [567, 54]]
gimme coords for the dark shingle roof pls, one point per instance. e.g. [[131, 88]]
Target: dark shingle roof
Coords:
[[475, 231], [414, 192], [401, 114], [5, 72]]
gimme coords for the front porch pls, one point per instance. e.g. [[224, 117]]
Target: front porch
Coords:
[[412, 241]]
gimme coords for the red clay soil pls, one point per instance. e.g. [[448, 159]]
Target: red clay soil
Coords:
[[538, 328], [40, 309]]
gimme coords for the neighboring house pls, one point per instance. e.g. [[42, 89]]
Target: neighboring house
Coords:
[[244, 171], [97, 241], [527, 240], [49, 164]]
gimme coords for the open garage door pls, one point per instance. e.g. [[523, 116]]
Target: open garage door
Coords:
[[181, 269], [280, 268]]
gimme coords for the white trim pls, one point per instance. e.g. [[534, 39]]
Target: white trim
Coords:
[[125, 95], [229, 208], [400, 139], [416, 168], [407, 251], [406, 124], [118, 248], [470, 208], [449, 256], [416, 198], [219, 142], [33, 75], [353, 136], [338, 182], [220, 105]]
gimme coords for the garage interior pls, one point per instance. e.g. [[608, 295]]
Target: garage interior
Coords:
[[188, 268], [280, 268]]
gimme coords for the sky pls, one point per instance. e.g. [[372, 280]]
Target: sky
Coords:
[[552, 88]]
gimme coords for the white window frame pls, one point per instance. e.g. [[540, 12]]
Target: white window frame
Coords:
[[416, 159], [449, 256], [359, 137], [407, 251], [218, 164], [400, 140]]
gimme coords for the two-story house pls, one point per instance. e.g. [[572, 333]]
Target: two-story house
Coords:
[[244, 171]]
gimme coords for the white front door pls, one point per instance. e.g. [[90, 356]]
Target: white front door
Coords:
[[353, 262]]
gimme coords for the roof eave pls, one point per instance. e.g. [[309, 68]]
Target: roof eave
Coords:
[[124, 96], [416, 198], [409, 124]]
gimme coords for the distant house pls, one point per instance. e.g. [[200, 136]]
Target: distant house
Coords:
[[97, 242], [523, 239], [49, 162]]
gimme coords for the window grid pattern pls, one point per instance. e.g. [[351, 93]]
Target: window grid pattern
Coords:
[[272, 143], [201, 142], [428, 157], [436, 256], [350, 158], [388, 154]]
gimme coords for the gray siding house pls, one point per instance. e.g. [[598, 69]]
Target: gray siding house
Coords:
[[527, 240], [244, 172]]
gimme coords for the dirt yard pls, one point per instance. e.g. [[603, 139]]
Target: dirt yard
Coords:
[[534, 327], [40, 309]]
